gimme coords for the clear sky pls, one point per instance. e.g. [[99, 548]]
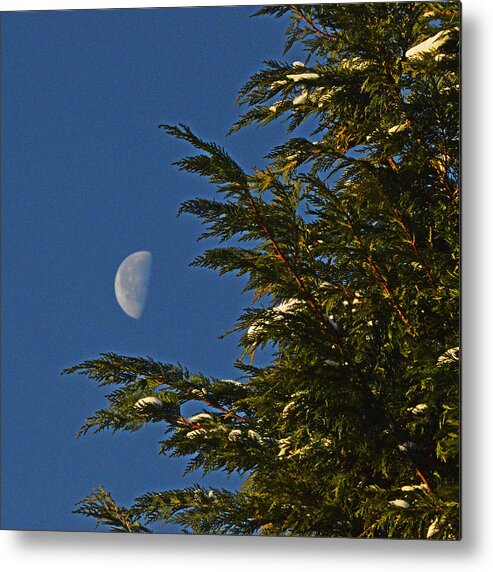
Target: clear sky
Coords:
[[87, 180]]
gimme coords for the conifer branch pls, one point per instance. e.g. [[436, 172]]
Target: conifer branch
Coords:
[[424, 480], [186, 422], [376, 271], [227, 412], [310, 24], [412, 242], [386, 288], [329, 330], [410, 238], [361, 382]]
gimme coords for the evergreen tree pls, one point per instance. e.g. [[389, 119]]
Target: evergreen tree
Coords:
[[351, 247]]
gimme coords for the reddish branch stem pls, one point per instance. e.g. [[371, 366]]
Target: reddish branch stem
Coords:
[[361, 382], [410, 238], [184, 421], [425, 482], [228, 412], [310, 24], [379, 276], [385, 286], [412, 242], [306, 294], [366, 531], [392, 163], [442, 176]]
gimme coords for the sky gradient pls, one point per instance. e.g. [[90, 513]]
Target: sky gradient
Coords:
[[87, 180]]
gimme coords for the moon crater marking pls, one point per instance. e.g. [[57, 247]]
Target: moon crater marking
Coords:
[[132, 281]]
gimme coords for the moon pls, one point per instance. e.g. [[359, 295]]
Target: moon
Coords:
[[131, 282]]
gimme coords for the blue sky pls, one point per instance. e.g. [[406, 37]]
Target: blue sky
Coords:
[[87, 180]]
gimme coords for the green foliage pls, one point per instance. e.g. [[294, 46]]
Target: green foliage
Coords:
[[101, 506], [350, 247]]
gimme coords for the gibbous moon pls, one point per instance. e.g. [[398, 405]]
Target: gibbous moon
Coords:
[[131, 281]]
